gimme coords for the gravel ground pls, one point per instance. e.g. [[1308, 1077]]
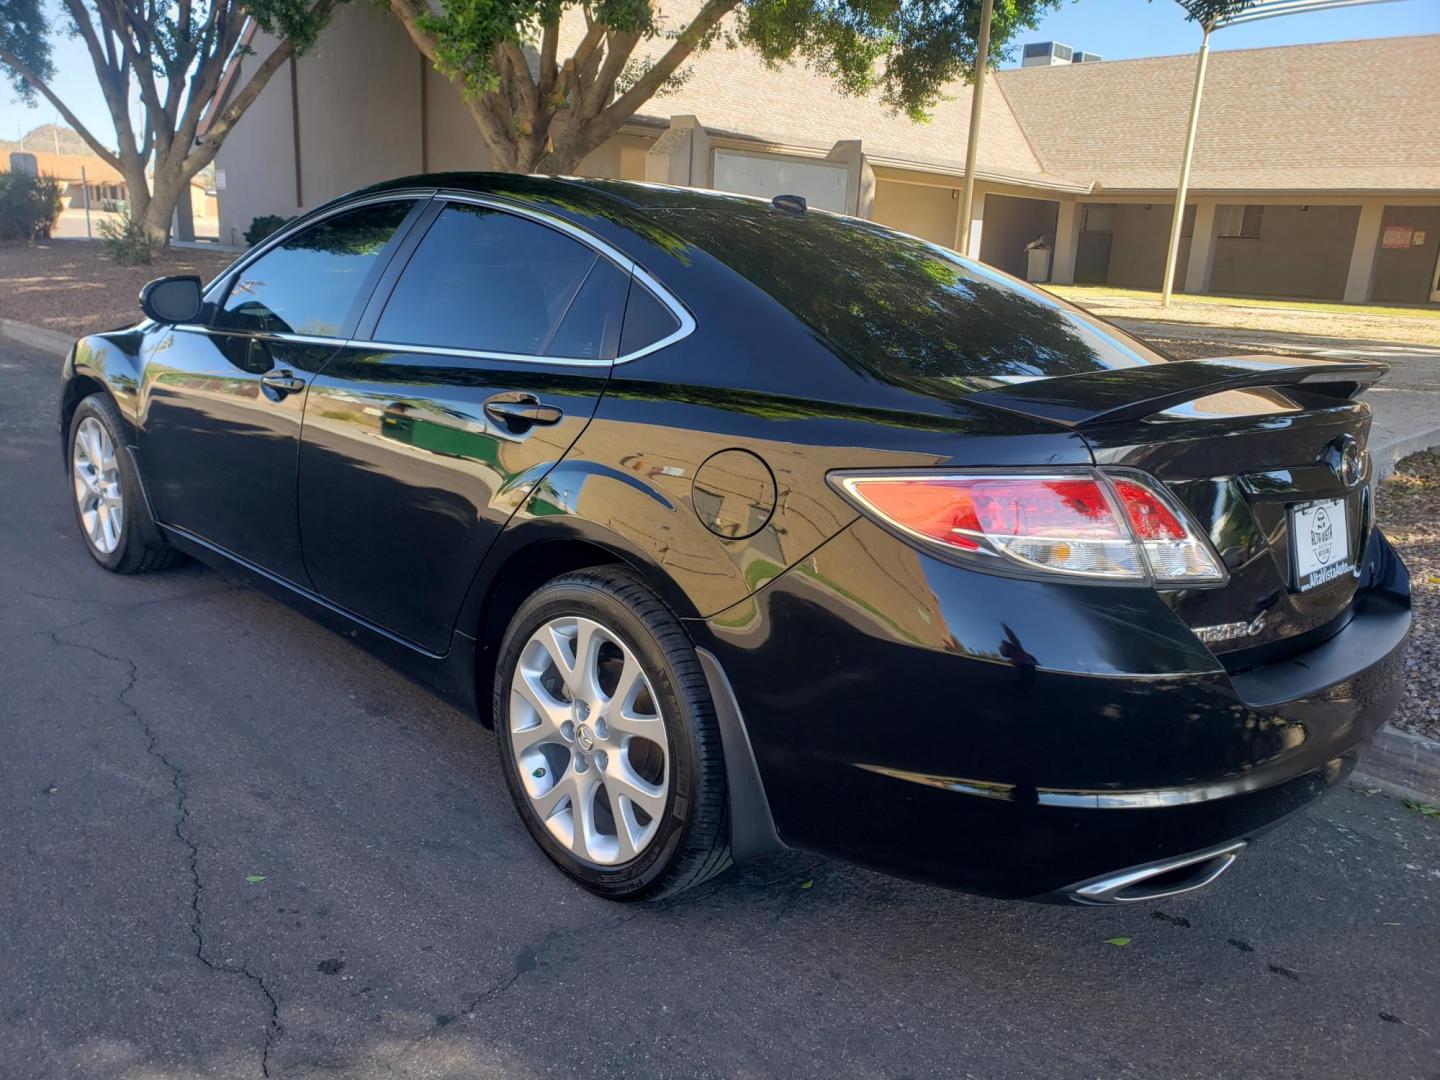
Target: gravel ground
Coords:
[[70, 286], [1409, 512]]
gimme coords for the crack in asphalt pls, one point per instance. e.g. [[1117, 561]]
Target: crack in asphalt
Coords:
[[526, 961], [275, 1030], [112, 608], [528, 958]]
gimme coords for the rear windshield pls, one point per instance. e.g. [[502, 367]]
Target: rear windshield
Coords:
[[901, 306]]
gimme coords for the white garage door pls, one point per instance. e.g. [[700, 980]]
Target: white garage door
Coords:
[[822, 184]]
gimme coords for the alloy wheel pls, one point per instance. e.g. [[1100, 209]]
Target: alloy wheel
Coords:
[[96, 474], [588, 740]]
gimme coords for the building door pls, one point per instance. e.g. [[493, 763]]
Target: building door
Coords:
[[1435, 282], [1092, 253]]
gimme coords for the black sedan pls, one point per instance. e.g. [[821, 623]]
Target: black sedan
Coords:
[[748, 526]]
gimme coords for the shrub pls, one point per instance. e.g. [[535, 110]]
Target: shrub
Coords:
[[263, 226], [125, 240], [29, 206]]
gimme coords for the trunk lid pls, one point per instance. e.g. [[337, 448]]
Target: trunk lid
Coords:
[[1268, 454]]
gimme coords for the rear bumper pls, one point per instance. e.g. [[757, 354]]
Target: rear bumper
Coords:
[[1015, 738]]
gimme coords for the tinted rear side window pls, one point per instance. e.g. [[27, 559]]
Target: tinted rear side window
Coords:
[[591, 325], [484, 279], [647, 320], [903, 307], [308, 284]]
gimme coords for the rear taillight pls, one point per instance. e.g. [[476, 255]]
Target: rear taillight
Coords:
[[1084, 524]]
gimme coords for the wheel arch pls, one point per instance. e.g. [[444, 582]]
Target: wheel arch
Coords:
[[533, 552], [77, 388], [102, 364], [509, 577]]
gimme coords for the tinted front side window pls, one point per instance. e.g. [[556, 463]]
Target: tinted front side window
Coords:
[[308, 284], [484, 279], [902, 307]]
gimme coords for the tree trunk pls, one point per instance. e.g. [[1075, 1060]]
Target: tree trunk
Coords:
[[137, 192], [158, 216], [556, 149], [185, 214]]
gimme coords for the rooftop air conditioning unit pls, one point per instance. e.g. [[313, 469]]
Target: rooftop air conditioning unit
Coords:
[[1046, 54]]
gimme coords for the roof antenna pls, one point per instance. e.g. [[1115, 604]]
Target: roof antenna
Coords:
[[794, 204]]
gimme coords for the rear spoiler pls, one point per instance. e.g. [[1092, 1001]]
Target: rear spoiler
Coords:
[[1113, 395]]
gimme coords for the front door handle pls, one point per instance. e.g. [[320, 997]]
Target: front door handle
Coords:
[[282, 382], [518, 412]]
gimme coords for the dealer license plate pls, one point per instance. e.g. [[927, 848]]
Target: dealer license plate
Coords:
[[1320, 540]]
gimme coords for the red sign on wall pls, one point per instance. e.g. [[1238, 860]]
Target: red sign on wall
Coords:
[[1396, 236]]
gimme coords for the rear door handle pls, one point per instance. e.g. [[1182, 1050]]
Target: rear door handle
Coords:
[[520, 412], [282, 382]]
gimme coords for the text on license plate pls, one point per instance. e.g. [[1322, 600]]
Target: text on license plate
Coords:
[[1320, 539]]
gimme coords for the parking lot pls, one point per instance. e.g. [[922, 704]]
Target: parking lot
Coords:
[[236, 845]]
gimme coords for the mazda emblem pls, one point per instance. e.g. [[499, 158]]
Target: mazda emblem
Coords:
[[1346, 460]]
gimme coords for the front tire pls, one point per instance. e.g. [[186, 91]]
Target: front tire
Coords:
[[110, 507], [608, 739]]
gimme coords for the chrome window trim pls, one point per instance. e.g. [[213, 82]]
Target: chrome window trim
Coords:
[[480, 354], [263, 335], [686, 321], [682, 314], [679, 310], [386, 346]]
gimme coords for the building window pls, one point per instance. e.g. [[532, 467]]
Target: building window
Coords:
[[1099, 219], [1239, 221]]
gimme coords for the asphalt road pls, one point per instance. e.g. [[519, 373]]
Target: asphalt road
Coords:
[[233, 844]]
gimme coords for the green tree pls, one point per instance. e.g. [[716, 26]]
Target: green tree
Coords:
[[174, 54], [1209, 12], [540, 112]]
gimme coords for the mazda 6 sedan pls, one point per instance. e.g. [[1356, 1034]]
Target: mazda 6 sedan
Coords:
[[748, 526]]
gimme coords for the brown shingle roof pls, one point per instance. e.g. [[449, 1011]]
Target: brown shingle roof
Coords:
[[734, 91], [1342, 116], [1347, 115]]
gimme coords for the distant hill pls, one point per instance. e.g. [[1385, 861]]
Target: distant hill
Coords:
[[45, 138]]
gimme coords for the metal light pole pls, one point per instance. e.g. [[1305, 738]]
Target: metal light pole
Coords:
[[85, 188], [1178, 220], [967, 196], [1242, 11]]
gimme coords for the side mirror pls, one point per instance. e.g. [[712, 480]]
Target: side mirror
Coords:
[[172, 299]]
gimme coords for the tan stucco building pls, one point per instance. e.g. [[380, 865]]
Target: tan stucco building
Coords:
[[1317, 167]]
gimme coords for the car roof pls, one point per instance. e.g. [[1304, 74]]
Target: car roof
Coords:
[[593, 194]]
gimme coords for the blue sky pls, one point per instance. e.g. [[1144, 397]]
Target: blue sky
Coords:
[[1125, 29], [1117, 29]]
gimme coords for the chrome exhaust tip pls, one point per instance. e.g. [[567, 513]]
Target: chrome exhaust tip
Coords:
[[1157, 880]]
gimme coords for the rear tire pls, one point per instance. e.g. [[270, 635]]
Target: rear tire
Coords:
[[110, 507], [599, 700]]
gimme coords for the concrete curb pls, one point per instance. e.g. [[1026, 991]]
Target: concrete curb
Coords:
[[1406, 765], [36, 337], [1386, 455]]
